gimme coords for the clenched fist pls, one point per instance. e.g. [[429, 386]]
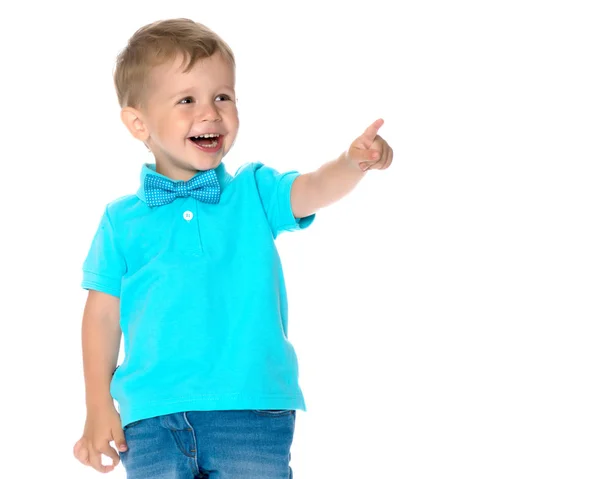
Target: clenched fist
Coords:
[[101, 427]]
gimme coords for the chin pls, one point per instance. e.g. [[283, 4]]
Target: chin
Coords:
[[215, 163], [207, 165]]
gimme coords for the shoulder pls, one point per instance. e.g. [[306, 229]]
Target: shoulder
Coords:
[[249, 175], [259, 172], [248, 169], [123, 207]]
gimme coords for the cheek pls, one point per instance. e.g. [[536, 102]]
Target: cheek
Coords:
[[230, 114], [234, 123], [176, 126]]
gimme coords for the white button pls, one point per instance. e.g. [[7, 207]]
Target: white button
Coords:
[[188, 215]]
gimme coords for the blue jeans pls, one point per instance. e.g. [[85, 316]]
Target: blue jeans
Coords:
[[252, 444]]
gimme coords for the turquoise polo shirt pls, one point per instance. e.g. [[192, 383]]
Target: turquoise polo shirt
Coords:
[[203, 302]]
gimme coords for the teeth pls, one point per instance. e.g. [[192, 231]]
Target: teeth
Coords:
[[208, 135], [212, 144]]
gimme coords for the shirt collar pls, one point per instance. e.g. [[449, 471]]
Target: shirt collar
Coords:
[[150, 169]]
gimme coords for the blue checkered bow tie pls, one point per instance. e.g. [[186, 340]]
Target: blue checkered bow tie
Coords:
[[161, 191]]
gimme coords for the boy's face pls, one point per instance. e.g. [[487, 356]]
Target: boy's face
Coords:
[[180, 107]]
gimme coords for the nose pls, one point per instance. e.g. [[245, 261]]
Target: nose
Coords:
[[208, 112]]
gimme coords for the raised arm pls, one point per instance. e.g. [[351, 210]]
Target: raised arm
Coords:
[[335, 179]]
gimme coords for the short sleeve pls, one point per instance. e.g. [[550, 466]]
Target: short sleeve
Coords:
[[104, 265], [275, 190]]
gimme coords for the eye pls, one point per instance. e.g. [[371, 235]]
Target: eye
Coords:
[[186, 101], [223, 97]]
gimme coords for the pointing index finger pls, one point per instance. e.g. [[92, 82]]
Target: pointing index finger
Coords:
[[371, 132]]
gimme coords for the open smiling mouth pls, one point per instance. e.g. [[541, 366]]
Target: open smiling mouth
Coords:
[[209, 142]]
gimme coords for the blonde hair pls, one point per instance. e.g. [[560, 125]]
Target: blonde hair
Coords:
[[157, 43]]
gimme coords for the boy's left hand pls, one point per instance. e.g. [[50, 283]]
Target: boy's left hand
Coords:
[[369, 151]]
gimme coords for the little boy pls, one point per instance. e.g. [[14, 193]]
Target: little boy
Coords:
[[187, 270]]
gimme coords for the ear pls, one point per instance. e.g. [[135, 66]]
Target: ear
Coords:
[[134, 122]]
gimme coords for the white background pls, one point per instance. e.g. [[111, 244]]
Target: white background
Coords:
[[445, 314]]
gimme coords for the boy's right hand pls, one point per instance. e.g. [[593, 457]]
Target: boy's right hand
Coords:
[[101, 427]]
